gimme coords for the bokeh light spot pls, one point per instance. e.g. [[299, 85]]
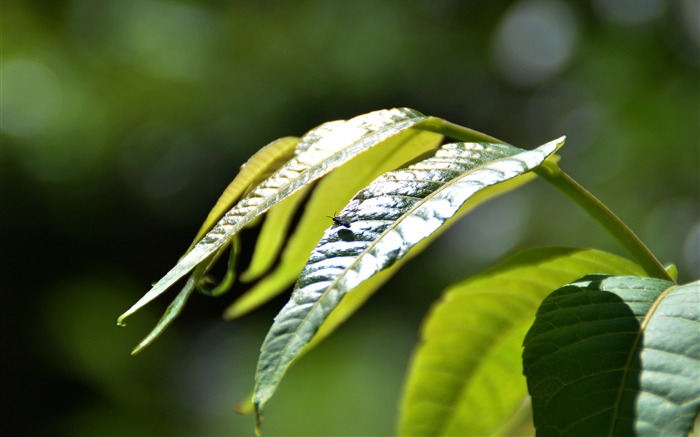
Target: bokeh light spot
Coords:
[[534, 41], [630, 12], [691, 22], [31, 97], [149, 35]]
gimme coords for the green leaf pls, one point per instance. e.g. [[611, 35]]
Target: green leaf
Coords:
[[388, 218], [194, 281], [208, 286], [329, 196], [616, 356], [465, 376], [353, 301], [321, 150], [171, 313], [255, 170], [273, 233]]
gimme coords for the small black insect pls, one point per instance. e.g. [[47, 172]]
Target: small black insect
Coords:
[[339, 221]]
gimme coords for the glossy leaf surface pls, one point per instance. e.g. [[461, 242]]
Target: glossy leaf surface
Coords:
[[465, 377], [319, 151], [388, 218], [330, 195], [353, 301], [255, 170], [616, 356]]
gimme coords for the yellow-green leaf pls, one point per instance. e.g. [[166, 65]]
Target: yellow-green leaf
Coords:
[[331, 195], [255, 170], [319, 152], [465, 376]]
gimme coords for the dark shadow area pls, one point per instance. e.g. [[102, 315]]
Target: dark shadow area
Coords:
[[582, 362]]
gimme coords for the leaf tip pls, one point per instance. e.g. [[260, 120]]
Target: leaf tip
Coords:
[[137, 349], [233, 312], [127, 313], [672, 270], [258, 418], [558, 143]]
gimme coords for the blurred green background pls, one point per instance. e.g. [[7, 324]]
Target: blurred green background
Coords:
[[123, 120]]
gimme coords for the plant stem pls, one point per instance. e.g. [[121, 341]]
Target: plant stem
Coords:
[[606, 218], [435, 124], [551, 172]]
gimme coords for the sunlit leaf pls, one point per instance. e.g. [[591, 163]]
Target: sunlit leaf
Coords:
[[319, 151], [388, 218], [616, 356], [254, 171], [273, 233], [360, 294], [465, 376], [259, 166], [329, 196]]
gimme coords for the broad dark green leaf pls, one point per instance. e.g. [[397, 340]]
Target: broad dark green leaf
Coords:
[[319, 151], [388, 218], [616, 356], [465, 377]]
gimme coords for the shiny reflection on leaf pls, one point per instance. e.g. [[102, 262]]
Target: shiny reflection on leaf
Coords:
[[383, 242]]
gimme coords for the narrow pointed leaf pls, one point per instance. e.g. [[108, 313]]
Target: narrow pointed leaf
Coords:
[[353, 301], [170, 314], [193, 282], [260, 165], [329, 196], [465, 376], [388, 218], [615, 356], [319, 151]]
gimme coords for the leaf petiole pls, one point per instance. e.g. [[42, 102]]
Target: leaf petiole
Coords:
[[444, 127], [551, 172]]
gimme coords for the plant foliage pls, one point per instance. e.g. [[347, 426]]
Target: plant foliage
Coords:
[[398, 184], [471, 342]]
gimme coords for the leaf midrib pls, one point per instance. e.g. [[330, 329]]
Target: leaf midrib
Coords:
[[349, 151], [634, 350]]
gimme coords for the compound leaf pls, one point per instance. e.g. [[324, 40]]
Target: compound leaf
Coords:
[[321, 150], [388, 218], [329, 196]]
